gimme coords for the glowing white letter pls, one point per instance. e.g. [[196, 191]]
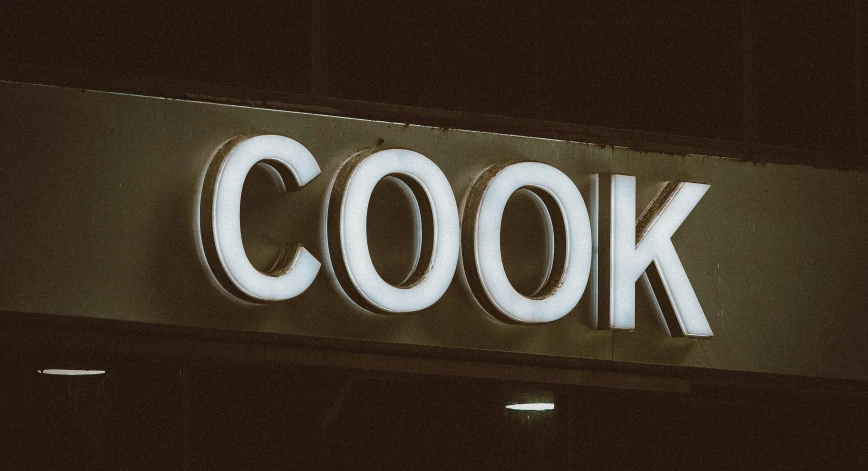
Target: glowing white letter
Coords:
[[347, 231], [622, 260], [571, 228], [220, 218]]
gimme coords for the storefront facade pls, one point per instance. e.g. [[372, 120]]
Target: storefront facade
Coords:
[[115, 247], [306, 234]]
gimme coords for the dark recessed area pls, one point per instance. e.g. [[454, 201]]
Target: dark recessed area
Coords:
[[526, 244], [176, 413], [394, 226], [785, 75]]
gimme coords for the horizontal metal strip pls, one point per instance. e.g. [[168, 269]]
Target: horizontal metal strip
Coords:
[[633, 139]]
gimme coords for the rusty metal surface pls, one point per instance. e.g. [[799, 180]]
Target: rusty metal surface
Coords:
[[633, 139], [97, 202]]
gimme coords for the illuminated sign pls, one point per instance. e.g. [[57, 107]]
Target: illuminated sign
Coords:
[[348, 236], [220, 219], [571, 241], [601, 240]]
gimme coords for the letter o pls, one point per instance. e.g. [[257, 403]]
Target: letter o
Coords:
[[348, 238], [220, 218], [480, 245]]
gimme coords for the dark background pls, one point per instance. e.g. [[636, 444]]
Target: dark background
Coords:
[[171, 413], [778, 73]]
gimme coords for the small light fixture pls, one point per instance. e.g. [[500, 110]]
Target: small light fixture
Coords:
[[532, 406], [65, 372]]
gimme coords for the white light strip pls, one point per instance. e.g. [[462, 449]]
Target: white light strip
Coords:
[[535, 406], [62, 372], [623, 244]]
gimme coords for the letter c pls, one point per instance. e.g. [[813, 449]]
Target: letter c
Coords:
[[220, 218]]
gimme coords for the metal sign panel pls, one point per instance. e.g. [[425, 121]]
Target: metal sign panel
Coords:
[[99, 202]]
